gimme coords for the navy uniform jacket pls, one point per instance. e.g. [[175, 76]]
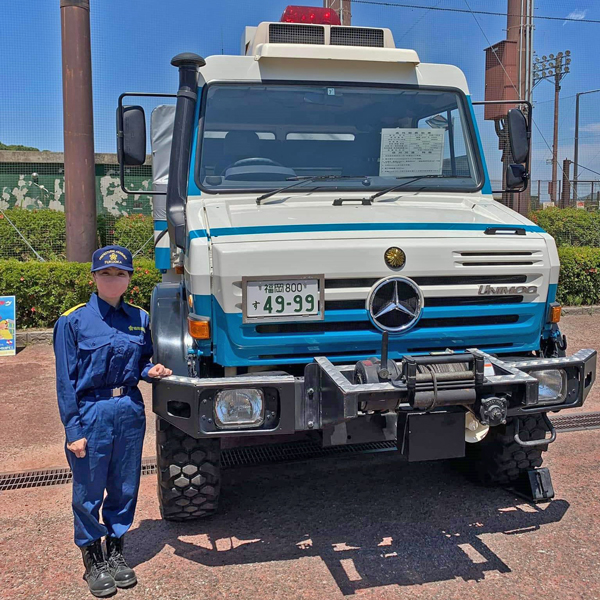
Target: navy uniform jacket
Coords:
[[98, 346]]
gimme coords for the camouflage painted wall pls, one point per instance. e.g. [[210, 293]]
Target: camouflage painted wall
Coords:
[[19, 187]]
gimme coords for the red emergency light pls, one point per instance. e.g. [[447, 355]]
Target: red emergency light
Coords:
[[311, 15]]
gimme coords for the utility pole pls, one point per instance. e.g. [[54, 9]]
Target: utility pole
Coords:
[[343, 8], [80, 176], [565, 196], [576, 149], [519, 27], [508, 77], [553, 67]]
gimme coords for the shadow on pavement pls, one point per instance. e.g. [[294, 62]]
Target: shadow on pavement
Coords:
[[372, 519]]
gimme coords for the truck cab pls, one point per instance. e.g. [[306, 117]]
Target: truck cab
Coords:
[[335, 265]]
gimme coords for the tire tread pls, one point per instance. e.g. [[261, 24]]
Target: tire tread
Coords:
[[498, 459], [176, 450]]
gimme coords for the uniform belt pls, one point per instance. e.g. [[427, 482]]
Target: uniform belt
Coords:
[[108, 392]]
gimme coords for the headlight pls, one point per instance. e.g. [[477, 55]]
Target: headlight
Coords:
[[239, 409], [553, 385]]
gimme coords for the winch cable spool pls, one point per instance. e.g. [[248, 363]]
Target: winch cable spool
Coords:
[[366, 371], [438, 373], [443, 368]]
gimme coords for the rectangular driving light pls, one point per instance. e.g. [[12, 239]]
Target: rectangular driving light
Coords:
[[552, 387], [241, 408]]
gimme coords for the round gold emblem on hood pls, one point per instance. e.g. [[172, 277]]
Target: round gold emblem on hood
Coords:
[[394, 258]]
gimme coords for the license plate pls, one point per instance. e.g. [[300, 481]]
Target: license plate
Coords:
[[300, 298]]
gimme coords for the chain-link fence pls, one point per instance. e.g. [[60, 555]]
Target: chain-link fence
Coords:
[[125, 59], [32, 205]]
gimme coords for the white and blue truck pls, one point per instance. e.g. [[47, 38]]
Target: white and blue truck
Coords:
[[335, 265]]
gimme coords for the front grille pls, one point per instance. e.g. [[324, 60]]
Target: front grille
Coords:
[[504, 263], [284, 33], [472, 300], [352, 282], [356, 36], [444, 347], [433, 301], [313, 327], [469, 279], [456, 316], [516, 253], [345, 305], [467, 321], [367, 282], [330, 355], [510, 258]]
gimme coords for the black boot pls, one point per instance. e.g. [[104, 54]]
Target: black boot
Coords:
[[97, 575], [119, 569]]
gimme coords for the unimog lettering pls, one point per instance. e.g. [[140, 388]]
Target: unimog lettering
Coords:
[[489, 290]]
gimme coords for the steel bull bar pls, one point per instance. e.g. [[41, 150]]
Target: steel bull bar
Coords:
[[328, 395]]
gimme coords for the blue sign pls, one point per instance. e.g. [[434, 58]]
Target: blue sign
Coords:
[[8, 326]]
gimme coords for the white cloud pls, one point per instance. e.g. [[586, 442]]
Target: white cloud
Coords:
[[576, 14], [590, 128]]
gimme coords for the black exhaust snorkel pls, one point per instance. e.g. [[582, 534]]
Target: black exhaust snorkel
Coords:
[[188, 64]]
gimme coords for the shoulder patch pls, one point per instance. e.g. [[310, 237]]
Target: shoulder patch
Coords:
[[68, 312], [142, 309]]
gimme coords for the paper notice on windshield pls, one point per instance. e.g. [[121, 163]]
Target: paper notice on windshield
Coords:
[[411, 152]]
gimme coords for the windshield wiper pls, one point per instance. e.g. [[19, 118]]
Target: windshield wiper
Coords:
[[400, 185], [309, 179]]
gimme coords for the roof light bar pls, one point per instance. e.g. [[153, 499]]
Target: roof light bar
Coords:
[[310, 15]]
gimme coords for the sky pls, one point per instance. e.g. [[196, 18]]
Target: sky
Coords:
[[134, 40]]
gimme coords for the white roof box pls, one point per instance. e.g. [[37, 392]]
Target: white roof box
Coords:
[[318, 35]]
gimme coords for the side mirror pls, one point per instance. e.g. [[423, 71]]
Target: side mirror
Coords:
[[518, 135], [131, 136], [516, 176]]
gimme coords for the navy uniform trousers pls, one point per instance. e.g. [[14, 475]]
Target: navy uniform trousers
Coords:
[[101, 354]]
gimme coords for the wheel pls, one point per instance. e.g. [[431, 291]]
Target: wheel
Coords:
[[498, 459], [189, 474]]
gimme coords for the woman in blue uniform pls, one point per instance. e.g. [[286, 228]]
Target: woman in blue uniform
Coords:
[[103, 348]]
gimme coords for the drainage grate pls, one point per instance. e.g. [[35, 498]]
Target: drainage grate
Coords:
[[268, 454], [27, 479], [56, 476], [577, 422]]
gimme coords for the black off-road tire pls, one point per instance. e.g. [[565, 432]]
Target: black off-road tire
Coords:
[[189, 474], [498, 459]]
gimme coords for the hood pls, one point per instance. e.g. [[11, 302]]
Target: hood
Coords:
[[411, 215]]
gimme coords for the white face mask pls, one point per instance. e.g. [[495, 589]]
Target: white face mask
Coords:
[[112, 286]]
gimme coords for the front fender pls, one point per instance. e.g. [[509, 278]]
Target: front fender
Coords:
[[169, 313]]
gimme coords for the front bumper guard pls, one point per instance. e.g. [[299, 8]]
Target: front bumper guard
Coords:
[[326, 396]]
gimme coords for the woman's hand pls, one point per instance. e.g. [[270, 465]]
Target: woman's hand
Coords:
[[159, 371], [78, 447]]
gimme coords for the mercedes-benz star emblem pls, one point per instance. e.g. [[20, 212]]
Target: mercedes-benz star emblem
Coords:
[[395, 304]]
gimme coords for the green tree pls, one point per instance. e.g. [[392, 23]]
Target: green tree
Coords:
[[18, 147]]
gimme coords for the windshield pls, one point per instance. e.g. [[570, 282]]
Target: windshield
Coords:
[[257, 137]]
